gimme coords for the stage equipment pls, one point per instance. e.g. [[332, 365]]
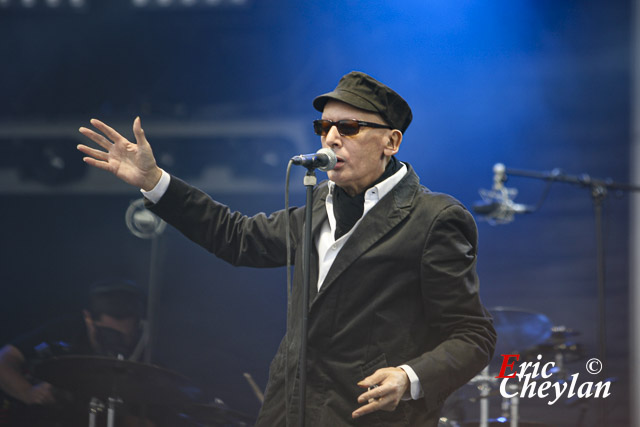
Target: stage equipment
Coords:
[[216, 414], [144, 224], [528, 334], [519, 329], [112, 383], [326, 158], [598, 189]]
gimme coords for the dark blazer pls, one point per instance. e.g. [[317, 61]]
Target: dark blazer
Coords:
[[403, 290]]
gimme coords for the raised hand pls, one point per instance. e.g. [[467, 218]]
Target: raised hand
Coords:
[[132, 163]]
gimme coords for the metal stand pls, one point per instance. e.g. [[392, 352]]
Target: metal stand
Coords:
[[599, 189], [483, 382], [95, 406], [111, 412], [309, 182], [514, 404], [145, 225], [485, 390]]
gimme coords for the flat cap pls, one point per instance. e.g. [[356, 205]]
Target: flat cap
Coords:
[[363, 91]]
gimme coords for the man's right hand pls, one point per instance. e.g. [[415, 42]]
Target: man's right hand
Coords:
[[132, 163]]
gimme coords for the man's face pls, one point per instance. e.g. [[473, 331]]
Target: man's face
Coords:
[[363, 157]]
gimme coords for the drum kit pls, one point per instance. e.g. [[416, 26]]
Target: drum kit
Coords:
[[109, 390], [532, 337], [113, 392]]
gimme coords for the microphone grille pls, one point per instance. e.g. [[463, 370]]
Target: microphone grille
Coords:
[[333, 159]]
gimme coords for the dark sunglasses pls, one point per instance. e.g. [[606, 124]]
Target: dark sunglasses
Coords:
[[347, 127]]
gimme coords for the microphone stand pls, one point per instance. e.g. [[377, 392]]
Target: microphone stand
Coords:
[[309, 182], [146, 225], [598, 189]]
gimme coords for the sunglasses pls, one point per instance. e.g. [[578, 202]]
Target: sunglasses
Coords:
[[348, 127]]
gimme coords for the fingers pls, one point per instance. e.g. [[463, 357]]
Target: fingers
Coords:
[[111, 133], [96, 154], [97, 163], [98, 159], [367, 409], [375, 393], [385, 389], [97, 138], [374, 379]]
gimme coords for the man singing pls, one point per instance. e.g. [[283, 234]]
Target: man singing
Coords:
[[395, 320]]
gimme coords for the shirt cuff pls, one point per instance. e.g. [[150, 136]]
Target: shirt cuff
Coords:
[[415, 388], [155, 194]]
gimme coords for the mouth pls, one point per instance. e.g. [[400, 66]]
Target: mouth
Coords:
[[339, 163]]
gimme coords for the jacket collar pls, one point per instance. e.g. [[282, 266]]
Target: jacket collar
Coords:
[[382, 218]]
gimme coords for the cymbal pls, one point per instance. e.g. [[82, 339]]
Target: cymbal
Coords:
[[104, 377], [519, 329], [562, 333]]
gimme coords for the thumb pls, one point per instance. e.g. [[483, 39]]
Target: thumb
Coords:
[[141, 139]]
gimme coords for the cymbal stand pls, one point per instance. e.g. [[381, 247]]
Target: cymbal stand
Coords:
[[511, 406], [599, 189], [111, 411], [485, 389], [95, 406], [484, 382]]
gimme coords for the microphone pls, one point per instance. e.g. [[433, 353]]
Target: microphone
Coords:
[[497, 205], [324, 159]]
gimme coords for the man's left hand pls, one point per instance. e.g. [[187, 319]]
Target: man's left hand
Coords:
[[391, 384]]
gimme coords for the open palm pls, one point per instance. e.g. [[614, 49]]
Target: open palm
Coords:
[[132, 163]]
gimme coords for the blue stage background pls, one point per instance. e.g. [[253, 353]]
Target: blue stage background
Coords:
[[534, 85]]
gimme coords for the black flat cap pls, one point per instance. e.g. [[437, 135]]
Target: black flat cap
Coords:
[[363, 91]]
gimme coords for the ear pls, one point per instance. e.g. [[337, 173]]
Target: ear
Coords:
[[393, 143]]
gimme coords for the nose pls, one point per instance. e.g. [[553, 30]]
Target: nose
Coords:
[[333, 138]]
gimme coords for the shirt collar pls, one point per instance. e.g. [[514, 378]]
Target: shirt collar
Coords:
[[381, 189]]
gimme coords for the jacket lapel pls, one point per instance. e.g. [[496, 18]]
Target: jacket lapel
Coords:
[[381, 219], [318, 217]]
